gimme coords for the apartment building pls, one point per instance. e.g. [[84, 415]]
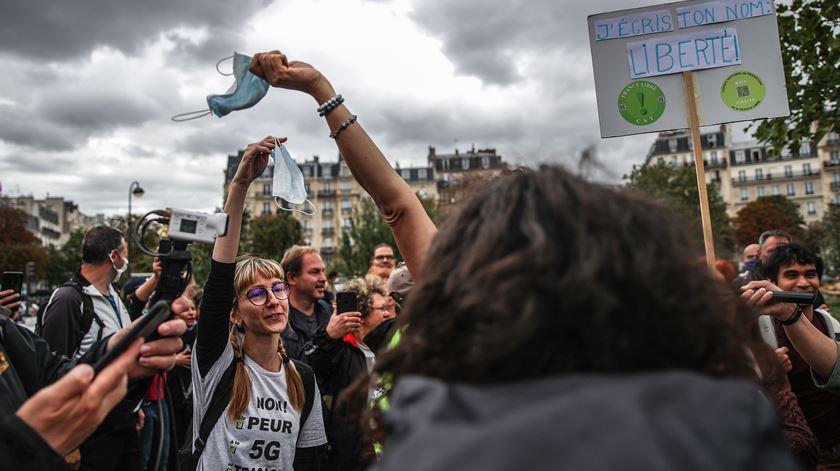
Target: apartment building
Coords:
[[52, 219]]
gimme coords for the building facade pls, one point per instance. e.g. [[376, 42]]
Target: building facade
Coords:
[[51, 219], [745, 171], [456, 170]]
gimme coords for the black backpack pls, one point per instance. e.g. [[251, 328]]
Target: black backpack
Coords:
[[88, 314], [190, 452]]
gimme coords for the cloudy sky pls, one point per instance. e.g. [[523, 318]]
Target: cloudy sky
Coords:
[[88, 88]]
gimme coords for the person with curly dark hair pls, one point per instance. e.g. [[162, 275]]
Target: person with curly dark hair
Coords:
[[339, 355], [555, 324]]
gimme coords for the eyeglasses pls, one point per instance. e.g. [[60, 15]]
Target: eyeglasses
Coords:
[[383, 257], [383, 308], [259, 295]]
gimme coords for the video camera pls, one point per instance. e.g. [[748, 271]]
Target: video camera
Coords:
[[180, 228]]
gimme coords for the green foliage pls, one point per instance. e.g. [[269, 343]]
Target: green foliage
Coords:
[[808, 32], [831, 241], [64, 261], [367, 230], [201, 254], [677, 188], [765, 213], [270, 236]]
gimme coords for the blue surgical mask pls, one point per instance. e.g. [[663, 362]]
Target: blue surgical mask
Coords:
[[750, 265], [247, 90], [288, 180]]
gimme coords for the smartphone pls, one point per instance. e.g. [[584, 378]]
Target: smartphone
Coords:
[[793, 297], [345, 301], [146, 327], [12, 280]]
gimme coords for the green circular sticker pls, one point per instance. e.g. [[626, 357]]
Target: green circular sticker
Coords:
[[641, 103], [742, 91]]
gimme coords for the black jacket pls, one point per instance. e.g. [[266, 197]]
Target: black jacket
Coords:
[[338, 364], [663, 421], [297, 335], [26, 366]]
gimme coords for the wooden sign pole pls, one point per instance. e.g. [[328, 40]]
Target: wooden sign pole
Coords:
[[694, 127]]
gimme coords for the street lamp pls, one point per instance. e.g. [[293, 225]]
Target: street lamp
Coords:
[[136, 190]]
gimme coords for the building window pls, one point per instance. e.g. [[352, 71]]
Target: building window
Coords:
[[713, 155], [674, 161], [788, 171], [345, 206], [327, 186], [833, 136], [266, 209], [805, 148], [266, 189], [791, 190], [345, 223], [465, 163], [742, 175], [756, 155], [307, 225], [837, 178], [759, 192], [672, 145], [812, 208], [759, 174], [806, 169], [836, 199], [306, 187], [485, 162], [346, 186], [745, 196], [834, 156], [775, 189], [328, 242], [739, 156], [712, 138], [422, 175], [809, 188], [328, 206]]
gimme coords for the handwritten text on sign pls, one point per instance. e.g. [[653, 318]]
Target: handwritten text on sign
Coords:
[[680, 53], [723, 10], [634, 25]]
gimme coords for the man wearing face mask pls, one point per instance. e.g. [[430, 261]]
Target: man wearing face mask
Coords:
[[81, 312], [88, 307]]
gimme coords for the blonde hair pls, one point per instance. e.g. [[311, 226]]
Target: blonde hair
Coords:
[[248, 268]]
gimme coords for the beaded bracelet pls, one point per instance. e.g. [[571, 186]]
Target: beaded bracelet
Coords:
[[330, 105], [343, 126]]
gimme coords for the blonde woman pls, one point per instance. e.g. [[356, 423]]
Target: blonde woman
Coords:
[[261, 427]]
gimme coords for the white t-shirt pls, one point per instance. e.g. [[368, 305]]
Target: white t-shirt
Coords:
[[266, 435]]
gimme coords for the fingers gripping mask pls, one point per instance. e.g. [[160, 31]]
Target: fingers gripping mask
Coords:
[[247, 90], [288, 181]]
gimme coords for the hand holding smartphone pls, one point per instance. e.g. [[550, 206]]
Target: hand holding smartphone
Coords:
[[145, 327], [12, 280]]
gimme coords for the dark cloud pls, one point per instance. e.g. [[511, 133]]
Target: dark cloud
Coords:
[[485, 38], [93, 110], [60, 30]]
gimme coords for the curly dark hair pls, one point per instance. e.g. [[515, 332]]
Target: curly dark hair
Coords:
[[785, 256], [542, 273]]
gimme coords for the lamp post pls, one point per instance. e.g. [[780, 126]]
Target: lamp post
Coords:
[[136, 190]]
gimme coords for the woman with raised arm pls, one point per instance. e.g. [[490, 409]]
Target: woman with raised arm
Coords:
[[271, 421], [556, 324]]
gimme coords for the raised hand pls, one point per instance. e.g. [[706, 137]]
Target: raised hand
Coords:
[[254, 160], [277, 70]]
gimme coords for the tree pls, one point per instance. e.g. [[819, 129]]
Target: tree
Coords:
[[367, 230], [269, 236], [831, 241], [18, 244], [811, 57], [765, 213], [676, 187], [64, 261]]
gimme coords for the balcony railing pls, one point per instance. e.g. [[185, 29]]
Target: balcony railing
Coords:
[[720, 163], [327, 231], [326, 193], [835, 186], [772, 177], [832, 163], [327, 250]]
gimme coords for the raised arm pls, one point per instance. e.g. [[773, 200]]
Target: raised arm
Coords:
[[212, 334], [412, 227]]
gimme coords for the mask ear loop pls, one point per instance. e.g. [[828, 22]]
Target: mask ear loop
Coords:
[[189, 116], [302, 211], [220, 63]]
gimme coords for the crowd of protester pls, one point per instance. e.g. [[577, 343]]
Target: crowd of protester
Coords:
[[549, 323]]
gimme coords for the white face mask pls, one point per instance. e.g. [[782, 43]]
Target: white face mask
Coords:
[[288, 181], [120, 270]]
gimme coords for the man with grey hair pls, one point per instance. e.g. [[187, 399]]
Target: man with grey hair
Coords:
[[767, 243]]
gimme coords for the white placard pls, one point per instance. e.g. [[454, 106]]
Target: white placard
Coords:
[[634, 25], [723, 10], [752, 89], [679, 53]]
